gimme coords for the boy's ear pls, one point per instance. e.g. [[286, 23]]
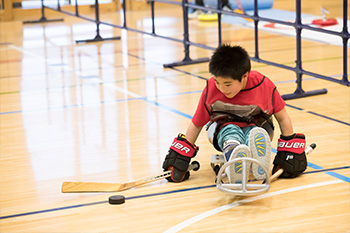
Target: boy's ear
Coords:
[[245, 75]]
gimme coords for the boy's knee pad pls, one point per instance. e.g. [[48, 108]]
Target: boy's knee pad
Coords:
[[211, 131], [212, 134]]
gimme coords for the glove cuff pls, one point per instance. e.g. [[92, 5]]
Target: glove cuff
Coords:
[[183, 147], [294, 135], [287, 137]]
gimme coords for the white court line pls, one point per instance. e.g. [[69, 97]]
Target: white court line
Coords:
[[197, 218], [52, 62], [41, 58], [78, 73], [98, 80], [122, 90], [26, 52]]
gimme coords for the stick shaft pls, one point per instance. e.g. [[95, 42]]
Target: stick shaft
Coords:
[[279, 172], [193, 166], [79, 187]]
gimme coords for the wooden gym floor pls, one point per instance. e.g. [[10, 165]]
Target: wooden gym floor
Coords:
[[108, 111]]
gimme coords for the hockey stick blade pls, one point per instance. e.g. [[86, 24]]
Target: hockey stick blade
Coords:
[[93, 187]]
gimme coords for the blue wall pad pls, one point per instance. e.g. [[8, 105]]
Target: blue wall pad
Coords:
[[247, 4]]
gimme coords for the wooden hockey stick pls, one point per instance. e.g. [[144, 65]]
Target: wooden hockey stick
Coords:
[[85, 187], [308, 150]]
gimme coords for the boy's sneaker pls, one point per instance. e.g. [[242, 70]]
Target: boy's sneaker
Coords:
[[235, 171], [260, 148]]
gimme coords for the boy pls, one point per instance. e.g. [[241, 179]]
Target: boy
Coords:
[[238, 104]]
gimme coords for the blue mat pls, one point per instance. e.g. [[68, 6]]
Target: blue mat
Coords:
[[248, 5], [266, 13]]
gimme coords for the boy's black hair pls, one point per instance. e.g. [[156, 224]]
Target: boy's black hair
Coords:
[[230, 62]]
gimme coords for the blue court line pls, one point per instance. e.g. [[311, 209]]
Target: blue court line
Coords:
[[336, 175], [68, 106], [168, 108], [320, 115], [329, 118], [148, 99], [314, 166], [188, 73], [293, 81], [52, 210], [114, 82], [320, 169], [103, 202], [344, 178], [162, 193]]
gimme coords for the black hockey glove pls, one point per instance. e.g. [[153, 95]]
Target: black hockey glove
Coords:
[[178, 158], [290, 156]]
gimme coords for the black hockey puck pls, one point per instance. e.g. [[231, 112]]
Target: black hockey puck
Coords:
[[116, 199]]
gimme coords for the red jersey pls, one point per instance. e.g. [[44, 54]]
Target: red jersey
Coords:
[[259, 95]]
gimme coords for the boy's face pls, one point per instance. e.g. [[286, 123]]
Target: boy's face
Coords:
[[230, 87]]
